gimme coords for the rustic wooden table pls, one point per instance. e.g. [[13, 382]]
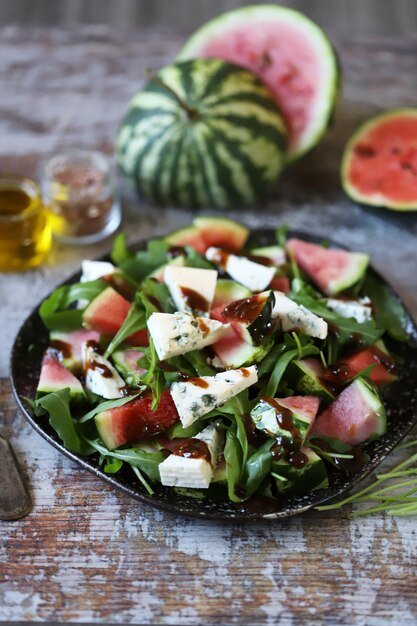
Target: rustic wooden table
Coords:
[[89, 554]]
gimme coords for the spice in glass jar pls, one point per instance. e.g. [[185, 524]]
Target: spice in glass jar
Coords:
[[79, 190]]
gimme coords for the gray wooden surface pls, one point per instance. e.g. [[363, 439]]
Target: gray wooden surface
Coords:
[[89, 554], [384, 17]]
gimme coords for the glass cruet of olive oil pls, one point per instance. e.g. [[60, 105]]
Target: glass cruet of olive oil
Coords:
[[25, 229]]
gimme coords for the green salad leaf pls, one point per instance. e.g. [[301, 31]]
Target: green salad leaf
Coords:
[[389, 313], [57, 404], [55, 311]]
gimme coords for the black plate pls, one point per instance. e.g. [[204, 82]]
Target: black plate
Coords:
[[400, 399]]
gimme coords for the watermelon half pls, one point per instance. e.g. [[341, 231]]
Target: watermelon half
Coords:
[[290, 54], [202, 133], [333, 271], [379, 165]]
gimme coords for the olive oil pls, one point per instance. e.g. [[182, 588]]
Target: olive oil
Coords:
[[25, 230]]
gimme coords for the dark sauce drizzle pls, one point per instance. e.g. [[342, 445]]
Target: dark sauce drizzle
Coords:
[[287, 447], [191, 448], [194, 300]]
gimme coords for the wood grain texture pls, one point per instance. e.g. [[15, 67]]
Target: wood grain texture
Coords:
[[89, 554]]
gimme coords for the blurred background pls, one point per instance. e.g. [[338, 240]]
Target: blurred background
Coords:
[[385, 17]]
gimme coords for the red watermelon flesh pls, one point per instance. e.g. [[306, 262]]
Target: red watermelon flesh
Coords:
[[54, 376], [380, 161], [305, 406], [384, 371], [211, 231], [332, 270], [290, 54], [107, 312], [136, 420], [357, 415], [281, 283]]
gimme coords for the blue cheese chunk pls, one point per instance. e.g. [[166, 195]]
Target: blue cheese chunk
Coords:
[[183, 471], [189, 286], [196, 397], [296, 316], [360, 310], [180, 471], [181, 332], [92, 270], [254, 276], [101, 377]]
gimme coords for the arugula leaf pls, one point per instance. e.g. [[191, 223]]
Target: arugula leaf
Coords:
[[233, 458], [154, 376], [106, 406], [194, 259], [144, 262], [178, 430], [389, 313], [121, 253], [257, 468], [57, 405], [152, 294], [282, 364], [54, 310], [281, 235], [237, 407], [113, 466], [135, 321], [198, 362], [147, 461]]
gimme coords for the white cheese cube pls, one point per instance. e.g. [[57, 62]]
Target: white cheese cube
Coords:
[[179, 333], [293, 316], [254, 276], [92, 270], [189, 285], [213, 438], [360, 310], [100, 376], [184, 471], [194, 398], [180, 471]]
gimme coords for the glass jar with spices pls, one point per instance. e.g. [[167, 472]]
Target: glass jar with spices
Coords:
[[79, 190]]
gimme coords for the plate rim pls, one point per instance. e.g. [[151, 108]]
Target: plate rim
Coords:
[[173, 508]]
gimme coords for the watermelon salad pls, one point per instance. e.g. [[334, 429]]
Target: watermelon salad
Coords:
[[211, 364]]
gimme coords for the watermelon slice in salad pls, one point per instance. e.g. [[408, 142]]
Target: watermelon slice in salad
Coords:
[[259, 397], [331, 270], [291, 55]]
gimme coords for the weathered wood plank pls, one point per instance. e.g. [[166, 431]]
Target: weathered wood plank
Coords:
[[87, 553]]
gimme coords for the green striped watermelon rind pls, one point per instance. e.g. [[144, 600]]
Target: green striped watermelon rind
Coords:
[[351, 190], [328, 56], [229, 156]]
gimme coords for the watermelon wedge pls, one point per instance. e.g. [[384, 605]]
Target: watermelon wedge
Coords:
[[107, 312], [379, 164], [303, 408], [290, 54], [69, 346], [54, 376], [135, 420], [384, 371], [332, 270], [207, 231], [357, 415]]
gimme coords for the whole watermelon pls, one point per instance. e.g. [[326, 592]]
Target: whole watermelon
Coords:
[[202, 133]]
